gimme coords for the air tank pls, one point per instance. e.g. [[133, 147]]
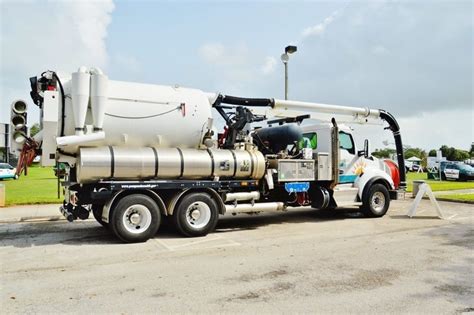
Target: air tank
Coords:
[[125, 163]]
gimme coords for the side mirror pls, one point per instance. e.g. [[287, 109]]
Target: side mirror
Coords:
[[365, 152], [366, 148]]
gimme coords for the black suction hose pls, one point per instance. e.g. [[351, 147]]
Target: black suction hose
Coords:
[[63, 103], [395, 128], [244, 101]]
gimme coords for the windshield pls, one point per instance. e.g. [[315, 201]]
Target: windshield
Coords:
[[346, 142], [465, 167], [4, 166]]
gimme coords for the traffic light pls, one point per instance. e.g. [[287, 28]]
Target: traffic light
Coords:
[[19, 131]]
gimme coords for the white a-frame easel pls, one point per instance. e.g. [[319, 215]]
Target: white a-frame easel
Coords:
[[422, 190]]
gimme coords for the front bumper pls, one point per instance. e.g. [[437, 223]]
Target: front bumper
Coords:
[[397, 194]]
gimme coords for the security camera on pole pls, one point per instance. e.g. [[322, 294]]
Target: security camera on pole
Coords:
[[285, 58]]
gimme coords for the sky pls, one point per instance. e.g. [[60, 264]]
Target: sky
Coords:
[[411, 58]]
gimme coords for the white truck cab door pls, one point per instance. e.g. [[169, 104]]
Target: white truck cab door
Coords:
[[347, 152]]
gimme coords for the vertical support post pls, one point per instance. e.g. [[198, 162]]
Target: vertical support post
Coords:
[[286, 80], [7, 143], [57, 176]]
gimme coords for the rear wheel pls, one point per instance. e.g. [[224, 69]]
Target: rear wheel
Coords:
[[375, 201], [135, 218], [196, 215], [97, 212]]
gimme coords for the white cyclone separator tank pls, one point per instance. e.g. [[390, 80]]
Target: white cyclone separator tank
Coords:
[[135, 115], [129, 163], [80, 93], [99, 95]]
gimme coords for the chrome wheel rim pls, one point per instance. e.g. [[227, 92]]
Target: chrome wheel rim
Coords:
[[136, 219], [198, 215], [377, 201]]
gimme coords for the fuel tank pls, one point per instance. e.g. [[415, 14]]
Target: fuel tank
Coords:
[[122, 163]]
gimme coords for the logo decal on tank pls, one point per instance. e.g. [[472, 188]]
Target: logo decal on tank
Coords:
[[245, 166]]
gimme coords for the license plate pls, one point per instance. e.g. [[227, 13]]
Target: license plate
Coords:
[[401, 195]]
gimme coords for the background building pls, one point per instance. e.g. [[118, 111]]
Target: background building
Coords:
[[4, 142]]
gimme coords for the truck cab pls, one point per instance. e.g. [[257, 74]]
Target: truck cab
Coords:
[[357, 169]]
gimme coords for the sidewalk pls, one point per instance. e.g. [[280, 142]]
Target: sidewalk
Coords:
[[454, 192], [22, 213]]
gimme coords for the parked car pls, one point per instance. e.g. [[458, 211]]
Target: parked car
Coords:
[[7, 171], [456, 171], [412, 167]]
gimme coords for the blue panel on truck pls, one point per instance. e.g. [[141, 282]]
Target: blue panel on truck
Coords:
[[344, 179], [297, 187]]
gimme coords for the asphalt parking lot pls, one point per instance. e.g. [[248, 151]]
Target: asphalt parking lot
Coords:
[[300, 261]]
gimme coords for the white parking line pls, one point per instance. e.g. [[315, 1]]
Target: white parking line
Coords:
[[188, 245], [207, 239], [463, 218], [163, 244]]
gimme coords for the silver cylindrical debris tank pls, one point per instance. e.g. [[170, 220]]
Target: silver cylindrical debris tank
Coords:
[[122, 163]]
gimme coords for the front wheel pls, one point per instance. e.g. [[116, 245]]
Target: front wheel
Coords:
[[376, 201], [196, 215], [135, 218]]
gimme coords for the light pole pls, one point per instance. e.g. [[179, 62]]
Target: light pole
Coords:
[[284, 58]]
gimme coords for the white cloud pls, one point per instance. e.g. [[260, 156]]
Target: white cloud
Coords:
[[235, 66], [212, 52], [379, 50], [218, 54], [126, 63], [428, 130], [318, 29], [36, 36], [269, 65]]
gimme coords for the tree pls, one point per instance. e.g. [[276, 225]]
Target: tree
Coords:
[[383, 153], [419, 153], [432, 153], [453, 154], [471, 151], [34, 129]]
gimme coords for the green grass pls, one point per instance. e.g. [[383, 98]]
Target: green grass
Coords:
[[437, 185], [38, 187], [463, 197]]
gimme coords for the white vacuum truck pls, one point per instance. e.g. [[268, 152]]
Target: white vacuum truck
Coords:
[[135, 153]]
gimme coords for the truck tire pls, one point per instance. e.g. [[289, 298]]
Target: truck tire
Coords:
[[375, 201], [135, 218], [97, 213], [196, 215]]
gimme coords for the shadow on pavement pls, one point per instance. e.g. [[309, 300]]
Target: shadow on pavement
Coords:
[[89, 232]]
